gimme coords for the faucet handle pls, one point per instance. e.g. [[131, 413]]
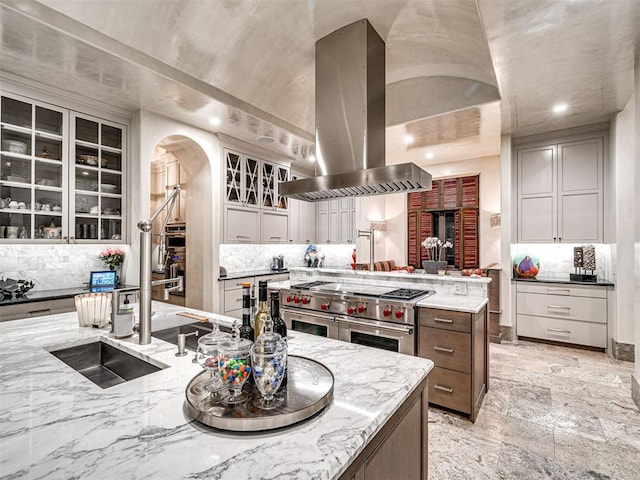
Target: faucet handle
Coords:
[[182, 341]]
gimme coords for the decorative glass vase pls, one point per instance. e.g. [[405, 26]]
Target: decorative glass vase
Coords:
[[432, 266]]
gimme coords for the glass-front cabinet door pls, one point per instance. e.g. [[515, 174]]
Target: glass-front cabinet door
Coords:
[[33, 182], [97, 208], [283, 176]]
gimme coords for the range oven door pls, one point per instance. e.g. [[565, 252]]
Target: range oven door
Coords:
[[313, 323], [395, 338]]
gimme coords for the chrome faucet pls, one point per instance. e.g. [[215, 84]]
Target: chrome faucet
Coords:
[[145, 269], [369, 234]]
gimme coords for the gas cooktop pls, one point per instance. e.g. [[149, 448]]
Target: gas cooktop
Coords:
[[369, 291]]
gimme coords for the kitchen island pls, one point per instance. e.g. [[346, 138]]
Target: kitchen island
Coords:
[[57, 424]]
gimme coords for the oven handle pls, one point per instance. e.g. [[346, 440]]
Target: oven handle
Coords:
[[328, 317], [407, 330]]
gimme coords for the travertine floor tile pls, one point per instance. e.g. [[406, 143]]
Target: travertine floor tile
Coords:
[[551, 412], [617, 461]]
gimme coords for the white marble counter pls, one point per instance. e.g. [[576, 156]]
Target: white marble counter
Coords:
[[57, 424], [476, 286], [458, 303]]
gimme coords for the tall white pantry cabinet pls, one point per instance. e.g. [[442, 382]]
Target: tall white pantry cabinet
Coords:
[[560, 190]]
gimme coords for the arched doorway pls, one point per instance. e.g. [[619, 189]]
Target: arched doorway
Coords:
[[179, 159]]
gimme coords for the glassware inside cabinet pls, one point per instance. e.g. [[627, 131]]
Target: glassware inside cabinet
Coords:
[[48, 148], [86, 179], [87, 203], [48, 174], [111, 206], [86, 228], [111, 160], [15, 169], [14, 225], [111, 229], [111, 183], [48, 201]]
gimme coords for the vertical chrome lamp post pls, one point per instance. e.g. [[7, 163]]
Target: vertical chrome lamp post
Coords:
[[145, 266]]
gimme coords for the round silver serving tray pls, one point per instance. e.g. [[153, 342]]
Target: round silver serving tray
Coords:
[[309, 389]]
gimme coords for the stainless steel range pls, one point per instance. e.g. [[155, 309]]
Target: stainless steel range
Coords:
[[381, 317]]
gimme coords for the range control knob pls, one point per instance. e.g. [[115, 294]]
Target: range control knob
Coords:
[[296, 299], [350, 310], [289, 298], [324, 306], [398, 313], [305, 300], [386, 312], [361, 308]]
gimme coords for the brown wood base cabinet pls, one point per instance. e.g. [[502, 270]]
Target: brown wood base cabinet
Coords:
[[399, 450], [457, 342]]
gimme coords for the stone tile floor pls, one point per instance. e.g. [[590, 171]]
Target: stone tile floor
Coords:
[[551, 412]]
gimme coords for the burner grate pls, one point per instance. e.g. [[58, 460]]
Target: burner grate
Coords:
[[308, 285], [405, 294]]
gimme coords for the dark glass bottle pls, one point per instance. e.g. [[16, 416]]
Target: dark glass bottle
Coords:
[[279, 326], [246, 330], [262, 313]]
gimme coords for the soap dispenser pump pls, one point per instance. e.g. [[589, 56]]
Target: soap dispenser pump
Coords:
[[123, 320]]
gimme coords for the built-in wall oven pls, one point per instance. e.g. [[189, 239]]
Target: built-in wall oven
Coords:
[[176, 264], [380, 317]]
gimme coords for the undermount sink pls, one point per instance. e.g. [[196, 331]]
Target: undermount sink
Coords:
[[171, 334], [103, 364]]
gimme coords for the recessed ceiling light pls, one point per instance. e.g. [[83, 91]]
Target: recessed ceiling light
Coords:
[[266, 139], [560, 108], [312, 158], [408, 139], [214, 121], [429, 155]]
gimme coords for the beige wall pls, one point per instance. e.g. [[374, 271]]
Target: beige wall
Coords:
[[489, 170]]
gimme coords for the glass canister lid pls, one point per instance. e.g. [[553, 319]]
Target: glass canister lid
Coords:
[[234, 344], [269, 342], [213, 338]]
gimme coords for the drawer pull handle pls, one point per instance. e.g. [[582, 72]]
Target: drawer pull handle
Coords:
[[40, 312], [550, 290], [238, 299], [443, 349], [442, 320], [557, 330], [558, 307], [444, 389]]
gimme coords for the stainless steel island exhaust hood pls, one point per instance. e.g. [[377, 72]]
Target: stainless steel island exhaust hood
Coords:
[[350, 122]]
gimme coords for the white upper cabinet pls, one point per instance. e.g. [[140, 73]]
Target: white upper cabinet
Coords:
[[61, 174], [254, 210], [560, 192], [337, 220]]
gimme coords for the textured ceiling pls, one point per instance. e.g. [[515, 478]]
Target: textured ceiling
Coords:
[[251, 62]]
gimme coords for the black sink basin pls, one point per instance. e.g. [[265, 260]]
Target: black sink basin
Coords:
[[103, 364], [171, 334]]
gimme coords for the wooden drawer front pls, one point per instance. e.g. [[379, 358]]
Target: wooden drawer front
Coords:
[[446, 348], [560, 330], [37, 309], [232, 300], [447, 319], [571, 308], [450, 389], [562, 289]]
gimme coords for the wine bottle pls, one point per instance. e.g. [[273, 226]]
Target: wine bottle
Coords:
[[279, 326], [263, 312], [246, 330]]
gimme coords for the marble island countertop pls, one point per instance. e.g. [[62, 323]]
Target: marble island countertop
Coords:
[[401, 275], [57, 424]]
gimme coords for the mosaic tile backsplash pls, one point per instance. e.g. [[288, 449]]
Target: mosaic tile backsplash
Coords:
[[53, 266], [241, 257]]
